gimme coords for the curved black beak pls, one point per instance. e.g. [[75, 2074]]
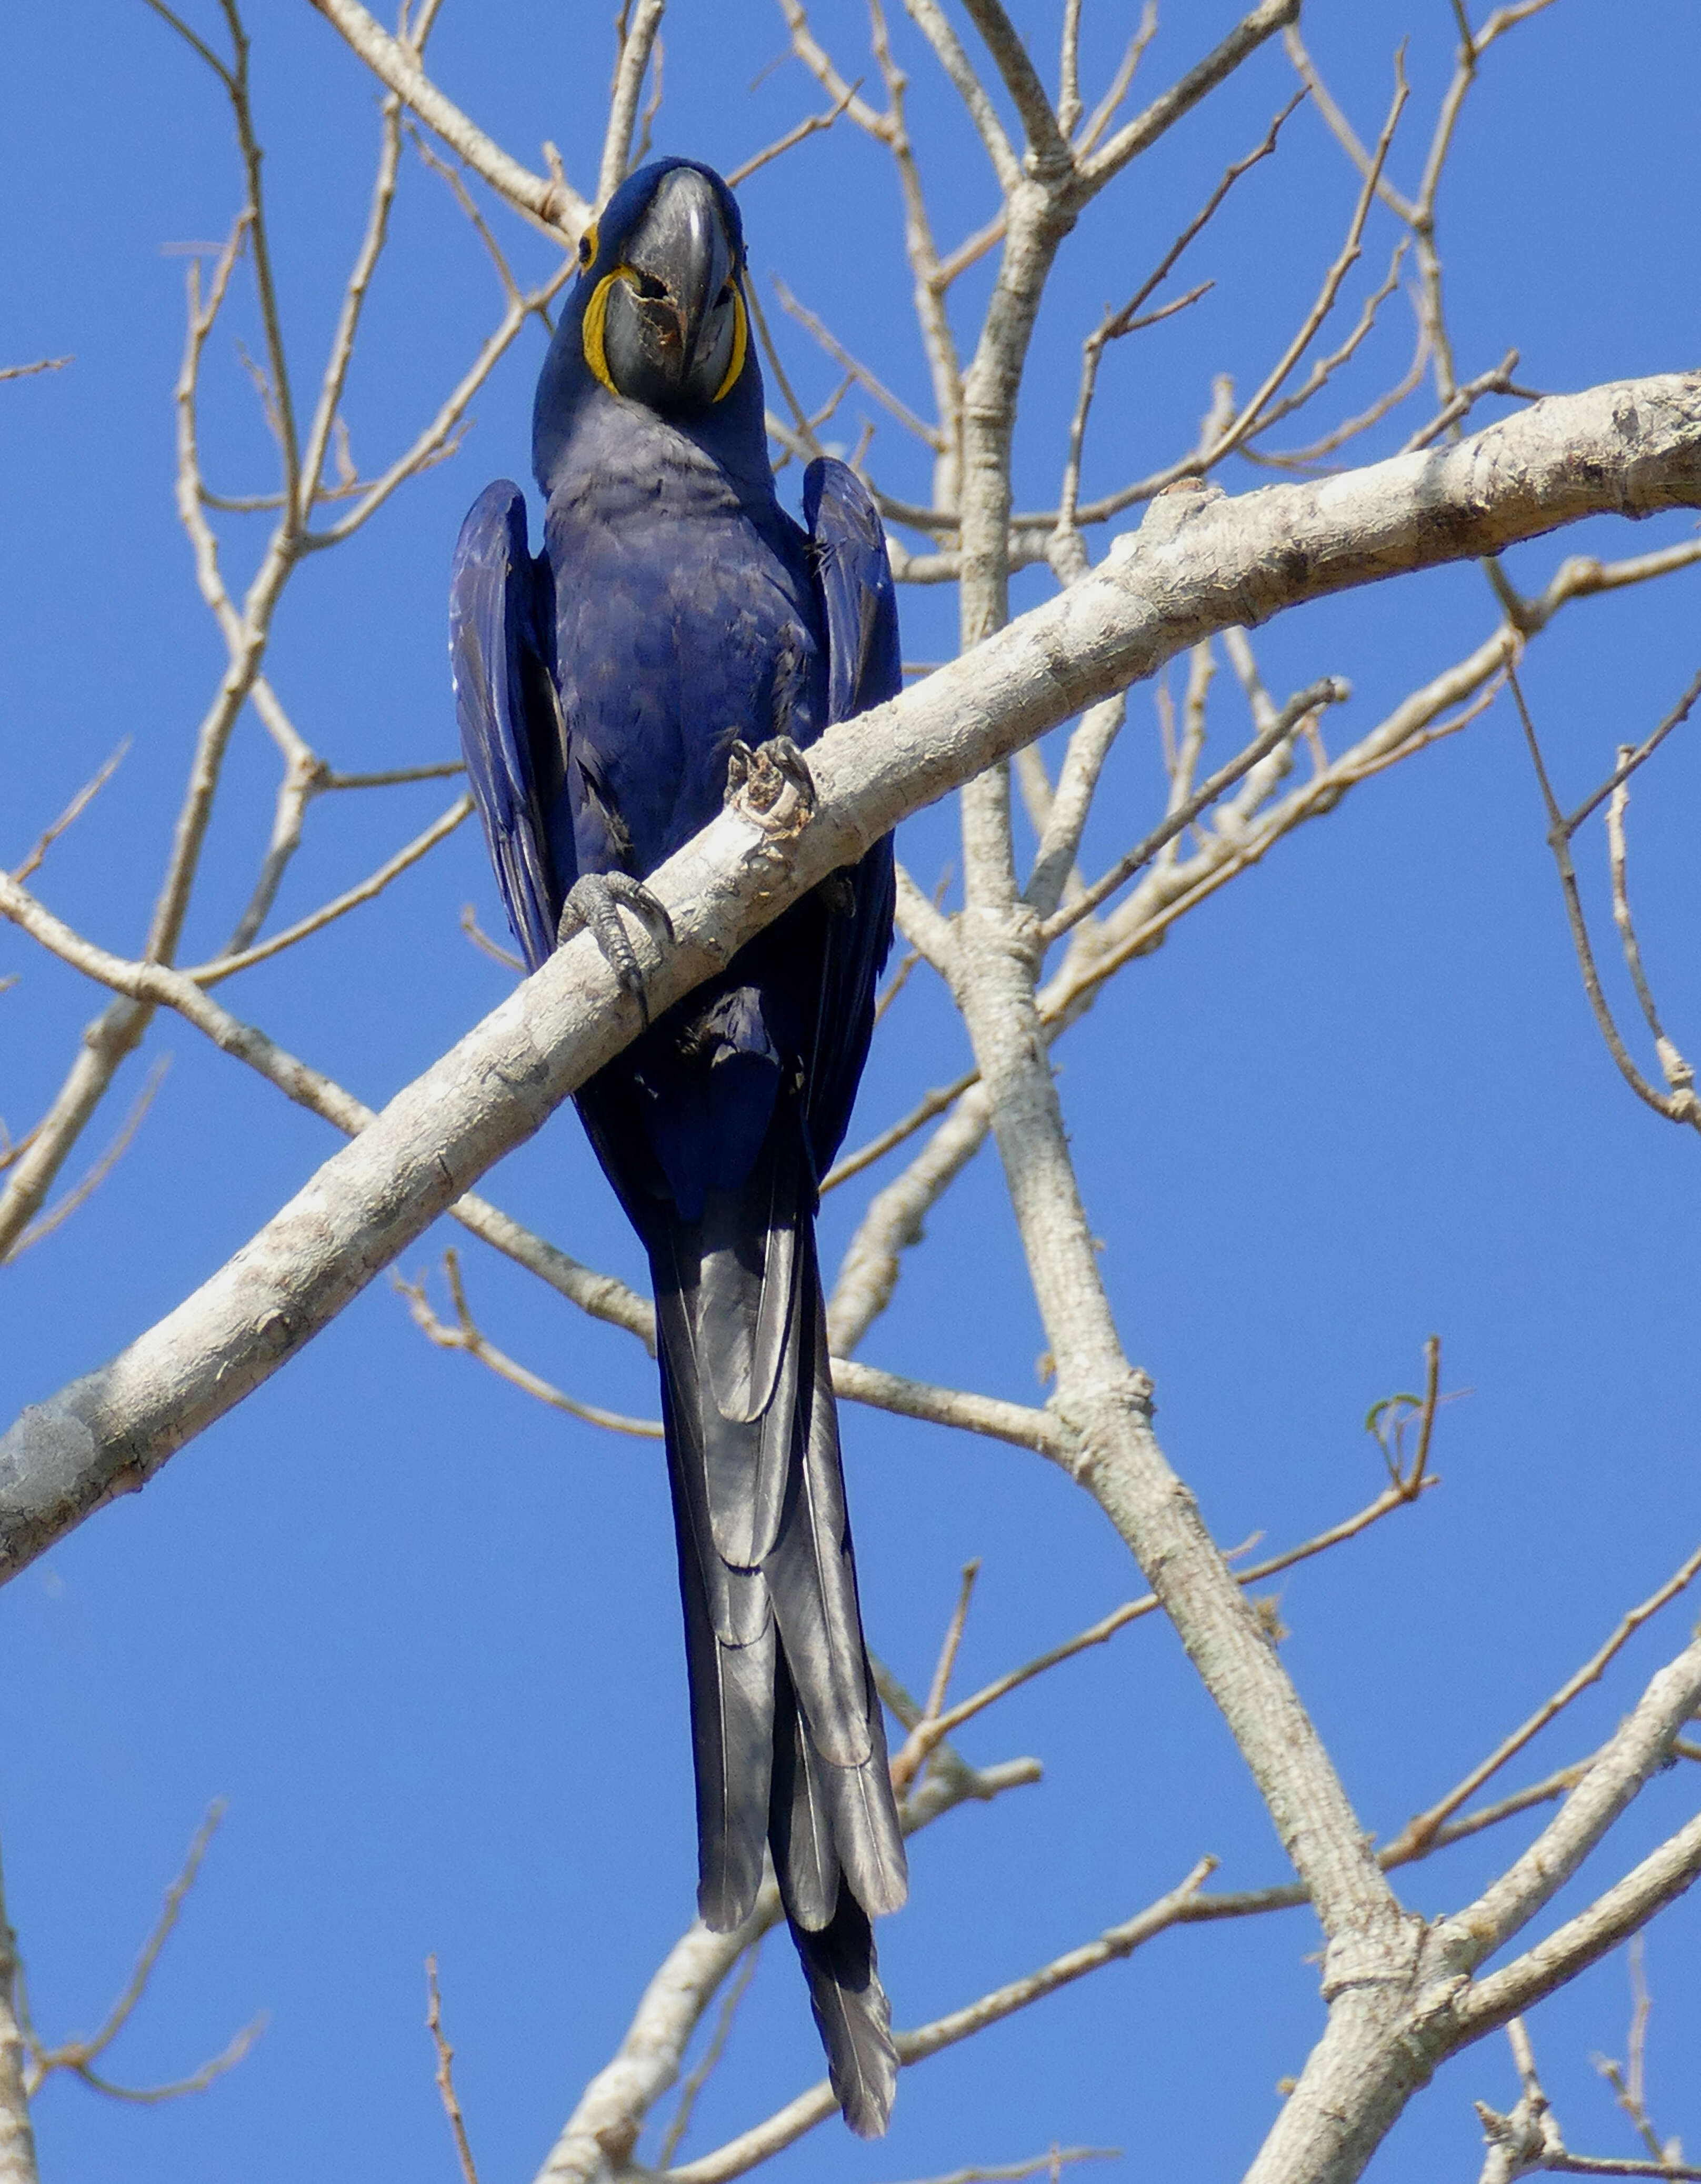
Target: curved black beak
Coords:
[[671, 325]]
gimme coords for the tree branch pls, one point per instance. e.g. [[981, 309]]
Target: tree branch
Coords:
[[1200, 562], [551, 203], [17, 2136]]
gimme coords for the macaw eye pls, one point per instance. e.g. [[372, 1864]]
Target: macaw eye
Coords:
[[587, 245]]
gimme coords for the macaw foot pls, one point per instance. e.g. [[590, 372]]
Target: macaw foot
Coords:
[[593, 904], [772, 785]]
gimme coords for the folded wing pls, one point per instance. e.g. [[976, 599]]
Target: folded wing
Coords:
[[509, 716]]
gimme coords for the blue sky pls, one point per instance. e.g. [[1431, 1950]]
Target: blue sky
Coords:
[[421, 1633]]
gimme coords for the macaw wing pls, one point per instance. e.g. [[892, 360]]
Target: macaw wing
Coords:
[[865, 668], [854, 579], [508, 713]]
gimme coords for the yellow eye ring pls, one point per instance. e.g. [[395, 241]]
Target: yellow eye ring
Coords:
[[587, 247]]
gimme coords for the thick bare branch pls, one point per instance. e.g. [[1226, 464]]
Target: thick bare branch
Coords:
[[1162, 114], [17, 2136], [1619, 1772], [1660, 1879], [1048, 152], [547, 201], [623, 104], [931, 20], [1384, 2040], [1207, 565]]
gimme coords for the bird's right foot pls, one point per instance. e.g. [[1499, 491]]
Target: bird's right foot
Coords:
[[593, 904]]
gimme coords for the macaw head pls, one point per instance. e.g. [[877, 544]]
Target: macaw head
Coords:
[[657, 316]]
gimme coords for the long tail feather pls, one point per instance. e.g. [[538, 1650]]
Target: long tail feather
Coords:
[[852, 2015], [730, 1656], [787, 1734]]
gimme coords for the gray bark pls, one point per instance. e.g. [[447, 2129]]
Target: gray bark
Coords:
[[1200, 562]]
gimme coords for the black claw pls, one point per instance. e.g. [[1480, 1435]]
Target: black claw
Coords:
[[593, 904], [781, 752], [651, 911]]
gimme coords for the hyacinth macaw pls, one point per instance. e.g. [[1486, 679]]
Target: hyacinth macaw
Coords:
[[675, 618]]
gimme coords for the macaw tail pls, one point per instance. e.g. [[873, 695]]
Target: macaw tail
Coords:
[[789, 1742]]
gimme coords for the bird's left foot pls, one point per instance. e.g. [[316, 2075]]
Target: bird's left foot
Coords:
[[772, 785], [593, 904]]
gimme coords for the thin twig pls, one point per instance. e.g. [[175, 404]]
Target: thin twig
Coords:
[[1499, 381], [1118, 324], [1390, 1419], [901, 975], [700, 2076], [466, 1336], [802, 2115], [1250, 417], [1349, 428], [1049, 2164], [1676, 1107], [1325, 368], [1629, 2084], [81, 1193], [28, 370], [197, 2081], [445, 2073], [481, 940], [72, 812], [1678, 1072], [809, 126], [77, 2058], [1420, 1830], [1630, 761], [475, 220], [929, 435], [909, 1765], [1331, 690], [934, 1103], [1118, 88], [928, 1732], [226, 966]]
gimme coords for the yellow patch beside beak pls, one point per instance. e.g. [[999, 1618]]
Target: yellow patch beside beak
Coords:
[[594, 326], [740, 342], [595, 320]]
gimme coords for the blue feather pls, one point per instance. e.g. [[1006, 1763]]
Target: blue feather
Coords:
[[676, 608]]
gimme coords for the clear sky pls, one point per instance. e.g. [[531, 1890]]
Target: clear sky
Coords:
[[422, 1633]]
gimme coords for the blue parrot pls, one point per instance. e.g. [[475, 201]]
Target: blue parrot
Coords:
[[677, 628]]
